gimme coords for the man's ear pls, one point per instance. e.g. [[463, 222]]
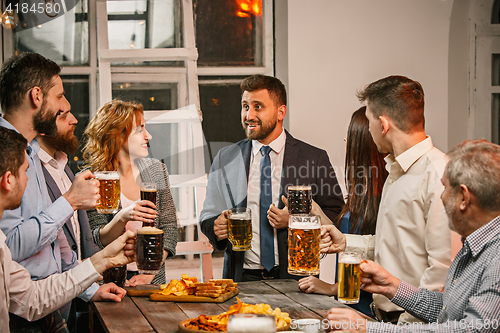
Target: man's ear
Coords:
[[36, 96], [282, 112], [384, 122], [464, 197], [6, 181]]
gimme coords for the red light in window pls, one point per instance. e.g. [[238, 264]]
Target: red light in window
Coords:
[[249, 7]]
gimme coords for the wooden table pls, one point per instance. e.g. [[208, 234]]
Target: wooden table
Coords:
[[139, 314]]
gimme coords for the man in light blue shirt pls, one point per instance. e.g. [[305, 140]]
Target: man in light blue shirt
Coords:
[[32, 96]]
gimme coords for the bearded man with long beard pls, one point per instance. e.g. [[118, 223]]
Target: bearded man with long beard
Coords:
[[256, 173]]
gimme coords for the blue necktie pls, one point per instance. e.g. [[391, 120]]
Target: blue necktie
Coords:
[[266, 230]]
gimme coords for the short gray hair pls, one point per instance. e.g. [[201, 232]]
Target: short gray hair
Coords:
[[476, 164]]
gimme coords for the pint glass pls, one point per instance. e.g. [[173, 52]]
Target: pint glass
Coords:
[[304, 233], [109, 189], [239, 227], [348, 277], [149, 250], [148, 192], [249, 322], [299, 199]]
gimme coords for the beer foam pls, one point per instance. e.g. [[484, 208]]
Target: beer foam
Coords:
[[106, 176], [304, 225], [149, 231], [299, 187], [349, 260], [239, 216]]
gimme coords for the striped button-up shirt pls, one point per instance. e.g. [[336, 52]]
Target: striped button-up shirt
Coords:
[[471, 298]]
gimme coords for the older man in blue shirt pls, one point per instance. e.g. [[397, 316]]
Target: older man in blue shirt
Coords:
[[32, 96]]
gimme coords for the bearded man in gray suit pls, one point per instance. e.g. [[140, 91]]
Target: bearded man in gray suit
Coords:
[[238, 178]]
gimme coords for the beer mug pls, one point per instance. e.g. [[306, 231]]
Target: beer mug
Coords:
[[149, 250], [117, 275], [239, 225], [299, 199], [148, 192], [348, 277], [249, 322], [109, 189], [304, 234]]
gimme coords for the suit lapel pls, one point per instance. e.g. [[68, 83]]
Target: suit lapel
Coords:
[[289, 159]]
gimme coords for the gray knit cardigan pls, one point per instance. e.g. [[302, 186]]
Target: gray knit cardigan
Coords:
[[150, 170]]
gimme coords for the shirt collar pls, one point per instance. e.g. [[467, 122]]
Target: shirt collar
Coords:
[[277, 145], [411, 155], [59, 161], [482, 236]]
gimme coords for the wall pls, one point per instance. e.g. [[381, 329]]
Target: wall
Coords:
[[336, 47]]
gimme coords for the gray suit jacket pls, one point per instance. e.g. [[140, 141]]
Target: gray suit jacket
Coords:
[[303, 164], [88, 248]]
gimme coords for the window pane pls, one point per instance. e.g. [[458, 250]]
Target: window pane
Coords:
[[495, 13], [144, 24], [77, 93], [64, 39], [153, 96], [228, 33], [495, 118], [495, 70], [221, 104]]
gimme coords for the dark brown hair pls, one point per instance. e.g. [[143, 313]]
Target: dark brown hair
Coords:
[[12, 151], [399, 98], [365, 176], [273, 85], [20, 74]]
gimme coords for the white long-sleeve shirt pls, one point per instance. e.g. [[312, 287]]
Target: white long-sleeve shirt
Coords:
[[412, 240], [33, 300]]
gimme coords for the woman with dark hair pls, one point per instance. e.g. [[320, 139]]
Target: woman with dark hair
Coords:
[[365, 175], [117, 139]]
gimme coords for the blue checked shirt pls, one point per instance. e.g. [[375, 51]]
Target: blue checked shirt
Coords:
[[471, 298]]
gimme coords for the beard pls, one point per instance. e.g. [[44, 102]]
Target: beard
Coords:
[[44, 123], [263, 132], [455, 221], [17, 202], [65, 142]]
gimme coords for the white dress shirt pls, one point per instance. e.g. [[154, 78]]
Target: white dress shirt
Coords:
[[33, 300], [55, 166], [412, 240], [252, 257]]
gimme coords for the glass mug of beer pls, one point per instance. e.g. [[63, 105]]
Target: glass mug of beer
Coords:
[[304, 234], [250, 322], [117, 275], [239, 225], [149, 250], [109, 189], [348, 277], [148, 192], [299, 199]]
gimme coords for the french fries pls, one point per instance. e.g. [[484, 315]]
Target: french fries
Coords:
[[219, 322]]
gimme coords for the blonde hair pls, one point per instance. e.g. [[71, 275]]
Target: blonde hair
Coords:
[[107, 131]]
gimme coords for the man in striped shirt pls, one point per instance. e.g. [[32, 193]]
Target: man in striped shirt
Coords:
[[471, 298]]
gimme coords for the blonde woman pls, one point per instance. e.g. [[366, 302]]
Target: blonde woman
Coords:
[[117, 139]]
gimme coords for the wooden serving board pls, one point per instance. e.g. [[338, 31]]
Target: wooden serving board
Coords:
[[184, 329], [143, 290], [193, 298]]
